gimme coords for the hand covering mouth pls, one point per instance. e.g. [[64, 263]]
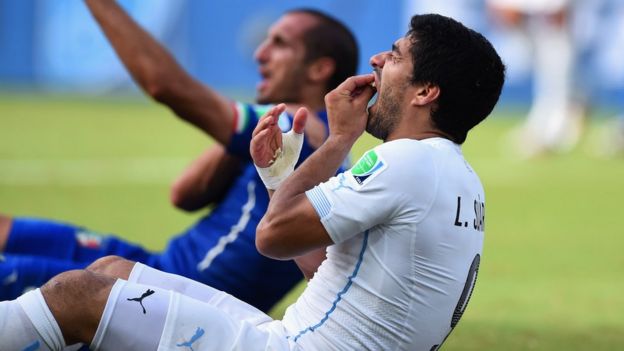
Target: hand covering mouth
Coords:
[[376, 83]]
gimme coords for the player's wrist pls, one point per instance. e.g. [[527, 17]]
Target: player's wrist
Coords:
[[340, 142], [284, 163]]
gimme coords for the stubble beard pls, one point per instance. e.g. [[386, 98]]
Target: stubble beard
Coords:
[[383, 119], [288, 90]]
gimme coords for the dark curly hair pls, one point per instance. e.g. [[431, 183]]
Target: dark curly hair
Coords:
[[463, 64], [330, 38]]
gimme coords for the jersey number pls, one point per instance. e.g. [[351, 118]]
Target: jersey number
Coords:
[[464, 298]]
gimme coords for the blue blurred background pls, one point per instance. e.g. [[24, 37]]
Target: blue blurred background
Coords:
[[56, 45]]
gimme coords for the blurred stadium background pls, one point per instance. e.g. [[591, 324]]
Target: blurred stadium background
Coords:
[[79, 142]]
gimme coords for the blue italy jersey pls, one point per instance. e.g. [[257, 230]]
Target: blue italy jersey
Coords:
[[227, 259], [218, 250]]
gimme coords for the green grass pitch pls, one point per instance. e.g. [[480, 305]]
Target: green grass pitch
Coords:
[[552, 273]]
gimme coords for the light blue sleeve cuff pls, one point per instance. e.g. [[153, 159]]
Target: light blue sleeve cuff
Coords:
[[319, 201]]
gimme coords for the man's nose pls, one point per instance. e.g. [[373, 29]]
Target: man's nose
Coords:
[[379, 59], [261, 52]]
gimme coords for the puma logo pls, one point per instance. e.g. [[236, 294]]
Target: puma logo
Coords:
[[198, 334], [140, 299]]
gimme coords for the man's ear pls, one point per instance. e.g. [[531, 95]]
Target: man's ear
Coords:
[[424, 94], [321, 69]]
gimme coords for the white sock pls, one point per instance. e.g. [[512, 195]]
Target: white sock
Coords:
[[28, 324], [37, 310], [16, 331]]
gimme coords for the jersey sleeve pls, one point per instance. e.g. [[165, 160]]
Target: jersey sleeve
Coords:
[[246, 117], [378, 189], [245, 120]]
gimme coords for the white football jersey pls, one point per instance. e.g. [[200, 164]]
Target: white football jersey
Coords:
[[407, 225]]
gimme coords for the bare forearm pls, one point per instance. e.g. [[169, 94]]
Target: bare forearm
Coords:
[[156, 71], [291, 227], [206, 180], [146, 60], [308, 263]]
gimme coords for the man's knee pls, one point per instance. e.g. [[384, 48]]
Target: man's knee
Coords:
[[77, 300], [77, 287], [113, 266]]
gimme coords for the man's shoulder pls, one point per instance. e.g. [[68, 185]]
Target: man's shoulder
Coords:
[[395, 163], [404, 151], [409, 160]]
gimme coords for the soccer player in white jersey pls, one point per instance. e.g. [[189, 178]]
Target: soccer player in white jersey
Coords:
[[403, 228], [554, 120]]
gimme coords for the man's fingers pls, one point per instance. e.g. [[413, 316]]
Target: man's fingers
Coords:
[[259, 152], [264, 146], [269, 118], [261, 139], [356, 89], [263, 124], [363, 94], [352, 84], [276, 111], [276, 138], [300, 119], [363, 79]]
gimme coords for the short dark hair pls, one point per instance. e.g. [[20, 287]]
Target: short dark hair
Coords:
[[463, 64], [330, 38]]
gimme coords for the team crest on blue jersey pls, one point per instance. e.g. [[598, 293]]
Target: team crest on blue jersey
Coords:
[[368, 167], [89, 239]]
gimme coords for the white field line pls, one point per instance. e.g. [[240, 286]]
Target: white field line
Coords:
[[91, 171]]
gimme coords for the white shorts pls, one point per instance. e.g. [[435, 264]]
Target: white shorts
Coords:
[[200, 326], [176, 313]]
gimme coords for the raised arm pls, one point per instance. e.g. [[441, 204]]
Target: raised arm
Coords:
[[291, 227], [160, 76]]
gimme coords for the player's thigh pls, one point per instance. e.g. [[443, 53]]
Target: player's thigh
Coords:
[[204, 327], [227, 303], [139, 316]]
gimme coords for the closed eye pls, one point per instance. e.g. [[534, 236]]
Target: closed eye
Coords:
[[395, 53]]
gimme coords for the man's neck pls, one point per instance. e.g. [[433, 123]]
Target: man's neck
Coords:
[[417, 125], [313, 97], [315, 105], [419, 135]]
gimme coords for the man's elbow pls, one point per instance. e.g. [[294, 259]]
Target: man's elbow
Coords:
[[160, 85], [180, 199], [268, 243], [158, 90]]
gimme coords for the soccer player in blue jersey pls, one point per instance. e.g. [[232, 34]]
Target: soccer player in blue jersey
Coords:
[[305, 55]]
